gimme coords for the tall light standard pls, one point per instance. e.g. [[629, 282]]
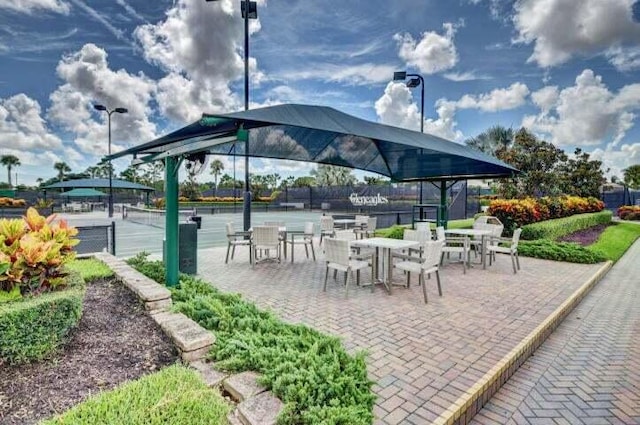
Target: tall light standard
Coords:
[[249, 10], [109, 112], [414, 81]]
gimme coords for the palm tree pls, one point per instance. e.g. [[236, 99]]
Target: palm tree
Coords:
[[9, 161], [216, 169], [491, 141], [333, 175], [61, 168]]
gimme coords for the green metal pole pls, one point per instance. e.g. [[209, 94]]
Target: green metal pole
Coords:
[[443, 204], [171, 221]]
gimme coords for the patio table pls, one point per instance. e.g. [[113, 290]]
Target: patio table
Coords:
[[386, 245], [345, 221], [474, 232]]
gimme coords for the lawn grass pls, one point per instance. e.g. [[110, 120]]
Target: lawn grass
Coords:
[[90, 269], [395, 231], [175, 395], [615, 240]]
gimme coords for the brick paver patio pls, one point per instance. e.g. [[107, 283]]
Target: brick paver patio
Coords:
[[588, 370], [422, 357]]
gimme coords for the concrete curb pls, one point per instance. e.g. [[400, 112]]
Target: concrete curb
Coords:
[[472, 401]]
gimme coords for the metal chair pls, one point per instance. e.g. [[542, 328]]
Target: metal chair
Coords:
[[234, 239], [512, 249], [454, 245], [369, 230], [265, 238], [327, 227], [429, 263], [338, 256], [306, 240]]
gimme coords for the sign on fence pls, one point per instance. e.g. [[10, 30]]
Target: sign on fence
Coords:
[[367, 201]]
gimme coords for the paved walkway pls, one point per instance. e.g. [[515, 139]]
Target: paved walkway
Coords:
[[422, 357], [588, 370]]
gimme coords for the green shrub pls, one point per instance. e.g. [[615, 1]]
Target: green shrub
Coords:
[[554, 229], [393, 232], [33, 327], [309, 371], [90, 269], [559, 251], [175, 395]]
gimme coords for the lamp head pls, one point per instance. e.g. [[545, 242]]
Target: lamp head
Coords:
[[99, 107], [414, 82], [253, 9], [399, 75], [121, 110]]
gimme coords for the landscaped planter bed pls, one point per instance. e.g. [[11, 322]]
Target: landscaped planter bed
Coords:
[[115, 341], [585, 237]]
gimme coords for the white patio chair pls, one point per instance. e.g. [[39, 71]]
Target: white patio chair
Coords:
[[429, 263], [306, 239], [265, 238], [369, 230], [327, 227], [454, 245], [234, 239], [338, 256], [361, 221], [512, 249]]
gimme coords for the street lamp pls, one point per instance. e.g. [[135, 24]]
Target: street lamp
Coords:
[[249, 10], [109, 112], [415, 81]]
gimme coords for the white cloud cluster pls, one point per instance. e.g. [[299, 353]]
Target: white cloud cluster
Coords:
[[88, 79], [585, 114], [617, 160], [30, 6], [561, 29], [199, 44], [432, 53], [21, 124], [361, 74], [396, 107]]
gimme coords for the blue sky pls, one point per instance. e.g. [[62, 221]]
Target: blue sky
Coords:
[[566, 69]]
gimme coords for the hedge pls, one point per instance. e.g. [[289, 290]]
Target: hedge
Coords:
[[559, 251], [311, 372], [629, 212], [33, 327], [175, 395], [554, 229]]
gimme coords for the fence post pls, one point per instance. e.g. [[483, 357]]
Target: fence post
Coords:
[[113, 238]]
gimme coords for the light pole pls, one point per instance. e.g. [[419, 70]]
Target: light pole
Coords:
[[109, 112], [415, 81], [249, 10]]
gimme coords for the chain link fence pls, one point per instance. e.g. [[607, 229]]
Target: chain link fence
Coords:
[[96, 238]]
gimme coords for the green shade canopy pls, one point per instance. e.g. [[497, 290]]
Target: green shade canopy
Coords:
[[99, 183], [324, 135], [80, 193]]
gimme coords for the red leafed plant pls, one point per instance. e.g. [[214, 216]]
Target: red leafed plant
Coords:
[[33, 252]]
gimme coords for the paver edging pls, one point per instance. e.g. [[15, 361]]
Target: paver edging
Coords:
[[471, 402]]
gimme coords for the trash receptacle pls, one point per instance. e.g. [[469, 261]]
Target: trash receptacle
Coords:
[[187, 248], [198, 220]]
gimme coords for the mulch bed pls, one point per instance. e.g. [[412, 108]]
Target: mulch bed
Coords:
[[115, 341], [587, 236]]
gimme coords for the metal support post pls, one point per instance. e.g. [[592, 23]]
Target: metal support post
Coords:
[[443, 204], [171, 221]]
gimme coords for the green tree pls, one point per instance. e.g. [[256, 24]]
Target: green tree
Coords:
[[493, 140], [9, 161], [216, 168], [227, 181], [539, 163], [130, 174], [632, 176], [333, 175], [288, 182], [191, 189], [304, 181], [581, 176], [376, 181], [61, 168]]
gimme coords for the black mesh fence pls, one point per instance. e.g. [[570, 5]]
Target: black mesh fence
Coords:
[[614, 198], [96, 238]]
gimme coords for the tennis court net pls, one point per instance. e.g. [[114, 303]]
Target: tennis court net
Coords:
[[153, 217]]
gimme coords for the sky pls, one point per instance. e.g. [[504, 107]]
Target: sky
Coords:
[[568, 70]]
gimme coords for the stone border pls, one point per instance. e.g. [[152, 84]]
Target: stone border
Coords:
[[191, 339], [472, 401]]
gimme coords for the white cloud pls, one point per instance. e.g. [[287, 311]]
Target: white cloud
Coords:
[[87, 80], [432, 53], [618, 160], [497, 99], [21, 125], [561, 29], [362, 74], [585, 114], [396, 107], [465, 76], [30, 6]]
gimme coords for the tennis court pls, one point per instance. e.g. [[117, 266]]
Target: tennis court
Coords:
[[132, 238]]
